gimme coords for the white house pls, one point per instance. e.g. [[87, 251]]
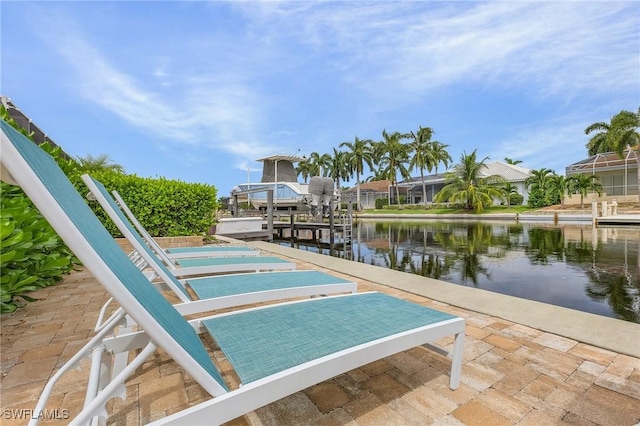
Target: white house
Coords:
[[513, 174]]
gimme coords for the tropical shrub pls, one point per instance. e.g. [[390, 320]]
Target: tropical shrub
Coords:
[[381, 202], [32, 255], [516, 199]]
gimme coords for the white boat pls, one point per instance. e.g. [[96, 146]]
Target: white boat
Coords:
[[278, 174]]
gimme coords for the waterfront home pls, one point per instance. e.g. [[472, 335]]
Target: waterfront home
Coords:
[[618, 176], [513, 174]]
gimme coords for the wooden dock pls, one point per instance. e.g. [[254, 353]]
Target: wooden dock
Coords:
[[619, 219], [311, 231]]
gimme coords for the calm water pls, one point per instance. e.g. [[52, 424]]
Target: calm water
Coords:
[[574, 266]]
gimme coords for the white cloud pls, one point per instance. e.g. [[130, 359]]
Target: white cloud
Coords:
[[223, 90], [213, 111], [552, 144], [390, 49]]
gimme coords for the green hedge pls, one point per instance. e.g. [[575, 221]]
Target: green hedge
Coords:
[[33, 256], [166, 208]]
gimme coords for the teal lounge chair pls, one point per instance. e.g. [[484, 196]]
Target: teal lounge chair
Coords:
[[221, 291], [145, 256], [275, 350], [181, 252]]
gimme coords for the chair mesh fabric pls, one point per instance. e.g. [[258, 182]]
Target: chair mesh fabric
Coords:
[[263, 342], [215, 261], [125, 222], [228, 285], [131, 280]]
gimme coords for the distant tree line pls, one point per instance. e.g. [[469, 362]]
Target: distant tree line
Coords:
[[399, 154]]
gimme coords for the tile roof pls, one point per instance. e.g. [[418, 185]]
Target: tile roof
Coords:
[[510, 172], [374, 186]]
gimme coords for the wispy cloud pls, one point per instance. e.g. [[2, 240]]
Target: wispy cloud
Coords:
[[400, 48], [546, 144], [227, 89], [214, 111]]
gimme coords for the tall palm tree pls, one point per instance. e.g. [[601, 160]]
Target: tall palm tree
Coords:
[[91, 164], [338, 168], [440, 154], [422, 155], [620, 134], [360, 153], [319, 164], [583, 184], [466, 184], [393, 156]]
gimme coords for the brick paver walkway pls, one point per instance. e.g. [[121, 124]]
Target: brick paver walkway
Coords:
[[512, 375]]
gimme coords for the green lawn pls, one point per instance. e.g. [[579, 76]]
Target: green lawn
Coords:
[[494, 209]]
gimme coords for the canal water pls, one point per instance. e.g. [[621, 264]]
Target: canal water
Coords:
[[576, 266]]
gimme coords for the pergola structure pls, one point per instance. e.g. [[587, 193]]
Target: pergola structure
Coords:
[[618, 175]]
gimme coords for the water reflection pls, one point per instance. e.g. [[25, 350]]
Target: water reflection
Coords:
[[575, 266]]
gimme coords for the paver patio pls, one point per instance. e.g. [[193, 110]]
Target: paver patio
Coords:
[[512, 374]]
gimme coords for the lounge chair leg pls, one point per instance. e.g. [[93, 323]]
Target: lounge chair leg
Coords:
[[96, 405], [456, 361], [87, 350]]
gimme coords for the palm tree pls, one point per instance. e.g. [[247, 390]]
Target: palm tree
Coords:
[[617, 136], [539, 178], [511, 161], [360, 153], [90, 164], [304, 169], [393, 156], [583, 184], [378, 174], [561, 186], [440, 154], [319, 164], [467, 185], [422, 155], [338, 168], [538, 185]]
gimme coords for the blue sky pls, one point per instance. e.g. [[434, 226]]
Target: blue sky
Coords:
[[198, 90]]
